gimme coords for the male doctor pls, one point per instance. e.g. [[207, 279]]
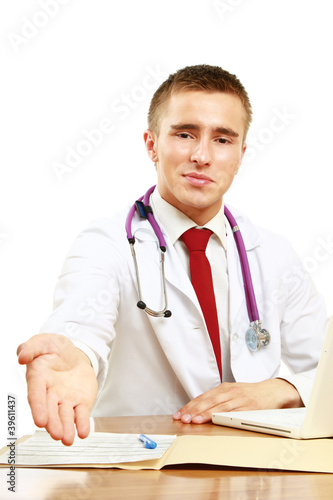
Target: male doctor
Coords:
[[99, 349]]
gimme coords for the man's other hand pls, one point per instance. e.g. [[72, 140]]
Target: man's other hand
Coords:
[[236, 396]]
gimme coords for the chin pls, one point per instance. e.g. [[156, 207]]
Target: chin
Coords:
[[199, 198], [196, 204]]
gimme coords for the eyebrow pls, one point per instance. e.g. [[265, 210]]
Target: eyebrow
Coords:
[[192, 126]]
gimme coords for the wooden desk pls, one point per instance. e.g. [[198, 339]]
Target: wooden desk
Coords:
[[197, 482]]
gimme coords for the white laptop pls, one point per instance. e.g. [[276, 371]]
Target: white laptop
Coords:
[[314, 421]]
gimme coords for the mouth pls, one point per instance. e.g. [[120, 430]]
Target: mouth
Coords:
[[198, 179]]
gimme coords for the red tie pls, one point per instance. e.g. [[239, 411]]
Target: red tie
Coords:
[[196, 241]]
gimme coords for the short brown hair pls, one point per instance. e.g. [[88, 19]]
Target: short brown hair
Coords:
[[199, 77]]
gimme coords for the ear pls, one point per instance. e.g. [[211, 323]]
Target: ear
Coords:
[[151, 144]]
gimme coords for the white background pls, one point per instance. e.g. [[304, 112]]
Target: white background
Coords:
[[66, 71]]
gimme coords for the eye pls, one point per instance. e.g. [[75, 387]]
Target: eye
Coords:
[[222, 140], [184, 135]]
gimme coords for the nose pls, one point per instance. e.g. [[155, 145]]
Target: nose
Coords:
[[201, 153]]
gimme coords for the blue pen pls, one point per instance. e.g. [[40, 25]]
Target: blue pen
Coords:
[[149, 443]]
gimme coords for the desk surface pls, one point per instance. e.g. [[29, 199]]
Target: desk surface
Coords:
[[196, 482]]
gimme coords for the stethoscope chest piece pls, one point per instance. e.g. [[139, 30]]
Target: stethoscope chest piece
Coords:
[[256, 336]]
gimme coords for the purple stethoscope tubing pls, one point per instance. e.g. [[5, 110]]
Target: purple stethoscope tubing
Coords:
[[251, 303], [245, 268], [151, 219]]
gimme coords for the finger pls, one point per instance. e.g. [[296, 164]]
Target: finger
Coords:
[[186, 411], [37, 399], [54, 426], [82, 420], [201, 405], [206, 416], [199, 410], [66, 415], [232, 404]]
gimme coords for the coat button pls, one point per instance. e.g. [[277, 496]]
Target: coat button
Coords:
[[235, 337]]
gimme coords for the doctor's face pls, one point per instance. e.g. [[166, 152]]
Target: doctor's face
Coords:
[[198, 150]]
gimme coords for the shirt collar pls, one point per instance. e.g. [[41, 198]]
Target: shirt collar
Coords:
[[176, 222]]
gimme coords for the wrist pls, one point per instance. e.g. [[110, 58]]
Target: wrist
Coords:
[[84, 356], [289, 395]]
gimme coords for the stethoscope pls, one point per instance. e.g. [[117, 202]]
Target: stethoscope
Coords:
[[255, 336]]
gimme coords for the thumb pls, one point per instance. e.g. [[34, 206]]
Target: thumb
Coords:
[[26, 353], [42, 343]]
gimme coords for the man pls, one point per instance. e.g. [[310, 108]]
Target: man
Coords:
[[198, 121]]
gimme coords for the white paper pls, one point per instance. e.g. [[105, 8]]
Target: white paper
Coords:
[[97, 448]]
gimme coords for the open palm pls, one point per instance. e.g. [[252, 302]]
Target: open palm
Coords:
[[62, 385]]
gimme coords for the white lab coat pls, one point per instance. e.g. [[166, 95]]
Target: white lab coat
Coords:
[[150, 365]]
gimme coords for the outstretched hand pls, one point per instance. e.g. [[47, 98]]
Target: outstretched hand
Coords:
[[62, 385]]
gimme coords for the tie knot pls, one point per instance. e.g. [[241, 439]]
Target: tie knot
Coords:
[[196, 239]]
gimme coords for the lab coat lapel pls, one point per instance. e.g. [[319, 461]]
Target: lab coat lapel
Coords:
[[184, 337], [236, 288], [176, 275], [149, 257]]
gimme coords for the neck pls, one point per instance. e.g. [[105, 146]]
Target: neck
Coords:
[[200, 215]]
